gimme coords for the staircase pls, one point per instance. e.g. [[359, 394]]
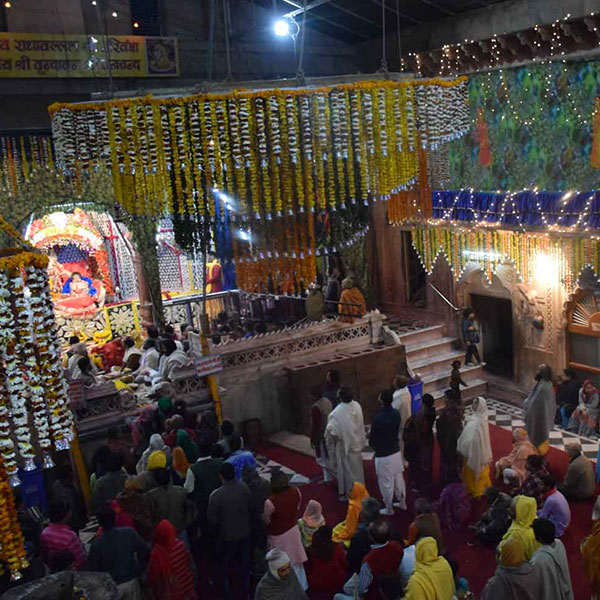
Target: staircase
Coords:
[[430, 353]]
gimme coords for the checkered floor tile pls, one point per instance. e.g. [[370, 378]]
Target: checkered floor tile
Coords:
[[266, 468], [510, 417]]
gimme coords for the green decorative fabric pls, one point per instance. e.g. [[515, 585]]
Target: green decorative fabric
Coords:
[[540, 126]]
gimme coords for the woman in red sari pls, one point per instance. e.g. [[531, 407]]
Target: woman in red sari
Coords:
[[170, 572]]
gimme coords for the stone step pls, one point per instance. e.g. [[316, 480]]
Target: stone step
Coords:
[[437, 363], [420, 336], [475, 388], [430, 348], [440, 380]]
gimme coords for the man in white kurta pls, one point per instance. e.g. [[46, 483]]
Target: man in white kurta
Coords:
[[402, 403], [345, 438]]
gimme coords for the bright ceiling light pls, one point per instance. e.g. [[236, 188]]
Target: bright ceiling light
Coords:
[[114, 14], [281, 27]]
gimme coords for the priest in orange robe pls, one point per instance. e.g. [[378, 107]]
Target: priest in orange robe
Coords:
[[352, 303], [214, 275]]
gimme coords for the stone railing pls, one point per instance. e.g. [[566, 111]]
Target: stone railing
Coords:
[[289, 341]]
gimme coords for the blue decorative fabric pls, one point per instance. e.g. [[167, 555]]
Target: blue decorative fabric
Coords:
[[223, 244], [67, 287], [527, 208], [70, 253]]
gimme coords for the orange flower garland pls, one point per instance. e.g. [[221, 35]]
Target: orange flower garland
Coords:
[[12, 543]]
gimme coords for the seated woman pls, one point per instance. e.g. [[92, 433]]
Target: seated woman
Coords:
[[344, 531], [534, 485], [311, 520], [475, 447], [326, 567], [584, 419], [432, 578], [520, 529], [496, 520], [512, 467], [515, 576]]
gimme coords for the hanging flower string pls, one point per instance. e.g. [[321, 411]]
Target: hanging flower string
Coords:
[[183, 147]]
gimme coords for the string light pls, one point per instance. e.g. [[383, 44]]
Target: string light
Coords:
[[567, 204], [136, 25], [114, 14], [449, 54], [7, 4]]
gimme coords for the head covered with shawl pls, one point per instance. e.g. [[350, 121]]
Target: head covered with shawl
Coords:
[[156, 443], [187, 445], [280, 581], [311, 520], [588, 390], [313, 514], [160, 568], [520, 529], [474, 442], [180, 462], [432, 578], [347, 528]]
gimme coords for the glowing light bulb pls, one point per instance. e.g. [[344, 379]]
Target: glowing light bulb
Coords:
[[136, 25], [281, 28], [114, 14]]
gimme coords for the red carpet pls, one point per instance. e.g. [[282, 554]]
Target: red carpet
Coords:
[[476, 563]]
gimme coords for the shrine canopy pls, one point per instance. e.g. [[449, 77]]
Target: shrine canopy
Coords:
[[78, 258]]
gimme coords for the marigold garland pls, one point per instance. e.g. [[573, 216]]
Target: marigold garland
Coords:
[[341, 144], [488, 249], [12, 543]]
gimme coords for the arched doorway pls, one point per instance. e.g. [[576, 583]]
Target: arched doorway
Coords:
[[494, 304]]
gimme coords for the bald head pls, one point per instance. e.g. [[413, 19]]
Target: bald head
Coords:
[[379, 531], [573, 449]]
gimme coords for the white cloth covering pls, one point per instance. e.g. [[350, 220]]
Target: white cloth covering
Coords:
[[345, 438], [474, 441]]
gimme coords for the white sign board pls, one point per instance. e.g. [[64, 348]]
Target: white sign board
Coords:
[[207, 365]]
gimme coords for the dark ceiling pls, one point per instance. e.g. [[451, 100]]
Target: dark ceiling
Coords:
[[354, 21]]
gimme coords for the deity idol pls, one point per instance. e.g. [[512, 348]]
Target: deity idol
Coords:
[[78, 296]]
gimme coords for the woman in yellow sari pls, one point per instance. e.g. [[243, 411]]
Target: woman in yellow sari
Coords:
[[525, 514], [344, 531], [432, 578], [590, 552], [475, 447]]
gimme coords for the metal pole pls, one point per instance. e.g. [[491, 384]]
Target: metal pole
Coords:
[[226, 23], [102, 10], [211, 39]]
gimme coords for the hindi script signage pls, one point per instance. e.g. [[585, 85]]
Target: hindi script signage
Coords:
[[57, 55]]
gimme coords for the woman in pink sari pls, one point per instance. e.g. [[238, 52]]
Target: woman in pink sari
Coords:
[[512, 467]]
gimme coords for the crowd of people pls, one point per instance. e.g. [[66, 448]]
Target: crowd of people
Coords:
[[183, 508]]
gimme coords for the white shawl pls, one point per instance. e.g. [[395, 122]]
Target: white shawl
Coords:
[[346, 425], [474, 441]]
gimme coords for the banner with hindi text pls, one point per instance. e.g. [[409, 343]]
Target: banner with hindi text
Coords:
[[34, 55]]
